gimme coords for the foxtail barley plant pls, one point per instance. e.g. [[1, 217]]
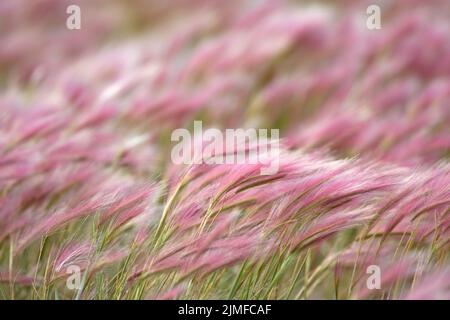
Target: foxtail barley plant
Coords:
[[92, 206]]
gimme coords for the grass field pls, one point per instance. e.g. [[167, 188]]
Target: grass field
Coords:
[[93, 205]]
